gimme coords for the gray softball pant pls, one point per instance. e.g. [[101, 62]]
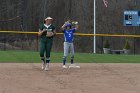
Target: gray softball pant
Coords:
[[68, 46]]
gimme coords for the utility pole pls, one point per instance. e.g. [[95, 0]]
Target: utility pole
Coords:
[[94, 39]]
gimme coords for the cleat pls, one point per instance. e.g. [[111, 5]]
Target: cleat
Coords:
[[43, 65], [47, 67], [64, 66]]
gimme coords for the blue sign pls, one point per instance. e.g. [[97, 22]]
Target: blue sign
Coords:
[[131, 18]]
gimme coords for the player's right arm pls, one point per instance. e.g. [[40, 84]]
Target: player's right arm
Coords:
[[63, 27], [41, 30]]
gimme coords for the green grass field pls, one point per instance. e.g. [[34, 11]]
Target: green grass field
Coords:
[[33, 57]]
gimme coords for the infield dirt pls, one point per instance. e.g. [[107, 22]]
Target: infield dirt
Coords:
[[90, 78]]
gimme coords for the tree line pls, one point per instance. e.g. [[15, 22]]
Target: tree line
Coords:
[[26, 15]]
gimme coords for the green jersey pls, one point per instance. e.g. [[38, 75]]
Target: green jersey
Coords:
[[49, 28]]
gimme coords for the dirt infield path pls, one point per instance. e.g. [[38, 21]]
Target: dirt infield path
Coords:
[[90, 78]]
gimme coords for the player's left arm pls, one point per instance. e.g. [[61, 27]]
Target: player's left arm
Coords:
[[54, 32], [76, 27]]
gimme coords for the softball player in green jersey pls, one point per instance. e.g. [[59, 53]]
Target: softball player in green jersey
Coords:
[[46, 33]]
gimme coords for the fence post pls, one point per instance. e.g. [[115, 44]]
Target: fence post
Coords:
[[134, 46], [37, 43], [102, 38], [4, 42]]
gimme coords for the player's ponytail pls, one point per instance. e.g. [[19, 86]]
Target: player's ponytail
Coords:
[[44, 21]]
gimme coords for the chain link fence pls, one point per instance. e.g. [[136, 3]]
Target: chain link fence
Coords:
[[12, 41]]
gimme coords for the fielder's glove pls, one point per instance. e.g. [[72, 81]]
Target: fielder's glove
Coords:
[[49, 33], [75, 23]]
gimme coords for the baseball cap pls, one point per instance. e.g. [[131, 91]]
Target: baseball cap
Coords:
[[48, 18]]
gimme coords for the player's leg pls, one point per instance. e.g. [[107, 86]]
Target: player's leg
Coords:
[[72, 52], [72, 65], [48, 52], [42, 51], [66, 49]]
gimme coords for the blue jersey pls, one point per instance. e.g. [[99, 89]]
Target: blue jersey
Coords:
[[68, 35]]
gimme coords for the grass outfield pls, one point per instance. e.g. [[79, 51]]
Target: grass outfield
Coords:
[[33, 57]]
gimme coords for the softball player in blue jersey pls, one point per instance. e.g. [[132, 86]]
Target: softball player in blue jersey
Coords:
[[69, 31]]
